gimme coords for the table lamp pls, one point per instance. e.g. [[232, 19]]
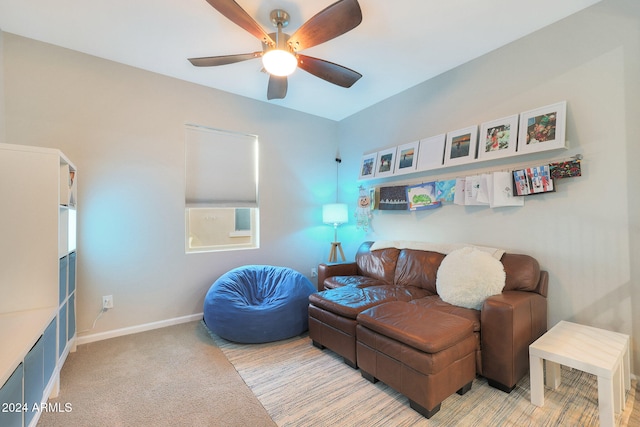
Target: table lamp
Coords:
[[335, 214]]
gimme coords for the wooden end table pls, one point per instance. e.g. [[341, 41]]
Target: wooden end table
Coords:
[[596, 351]]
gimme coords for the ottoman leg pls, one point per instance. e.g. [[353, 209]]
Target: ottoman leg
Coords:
[[350, 363], [422, 410], [318, 345], [500, 386], [368, 377], [464, 389]]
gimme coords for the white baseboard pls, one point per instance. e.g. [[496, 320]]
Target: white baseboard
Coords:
[[85, 339]]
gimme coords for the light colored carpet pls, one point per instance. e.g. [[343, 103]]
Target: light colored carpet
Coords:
[[173, 376], [178, 376], [300, 385]]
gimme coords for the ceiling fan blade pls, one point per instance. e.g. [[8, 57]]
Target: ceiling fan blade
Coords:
[[277, 87], [330, 23], [333, 73], [236, 14], [212, 61]]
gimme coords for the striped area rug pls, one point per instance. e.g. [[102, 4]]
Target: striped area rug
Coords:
[[300, 385]]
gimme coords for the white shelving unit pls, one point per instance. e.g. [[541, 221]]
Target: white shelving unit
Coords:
[[37, 278]]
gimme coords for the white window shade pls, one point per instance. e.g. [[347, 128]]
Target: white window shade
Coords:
[[221, 168]]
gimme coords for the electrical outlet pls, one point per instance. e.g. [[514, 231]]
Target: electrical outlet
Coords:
[[107, 302], [314, 272]]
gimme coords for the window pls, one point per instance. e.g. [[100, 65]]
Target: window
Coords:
[[221, 193], [243, 220]]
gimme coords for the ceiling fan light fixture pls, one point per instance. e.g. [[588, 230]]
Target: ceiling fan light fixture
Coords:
[[281, 52], [279, 62]]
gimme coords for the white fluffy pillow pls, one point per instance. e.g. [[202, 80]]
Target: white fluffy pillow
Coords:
[[467, 276]]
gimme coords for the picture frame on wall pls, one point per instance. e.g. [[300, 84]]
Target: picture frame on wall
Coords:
[[368, 166], [385, 163], [431, 152], [498, 138], [461, 146], [543, 128], [406, 158]]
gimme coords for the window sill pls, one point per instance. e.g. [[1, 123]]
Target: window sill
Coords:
[[240, 234]]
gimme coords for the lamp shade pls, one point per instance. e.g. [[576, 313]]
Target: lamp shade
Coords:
[[335, 213]]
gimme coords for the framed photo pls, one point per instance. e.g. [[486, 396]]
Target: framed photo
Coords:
[[385, 162], [431, 152], [543, 128], [406, 158], [498, 138], [461, 146], [368, 165]]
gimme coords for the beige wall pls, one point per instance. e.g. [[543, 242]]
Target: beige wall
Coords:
[[124, 130], [587, 233]]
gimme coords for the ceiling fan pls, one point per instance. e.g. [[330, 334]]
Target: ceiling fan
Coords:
[[283, 49]]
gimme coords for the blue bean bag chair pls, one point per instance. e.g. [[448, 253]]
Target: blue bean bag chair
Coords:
[[258, 303]]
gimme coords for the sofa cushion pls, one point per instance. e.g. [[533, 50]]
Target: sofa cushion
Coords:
[[416, 326], [379, 265], [409, 293], [348, 301], [467, 276], [357, 281], [418, 268], [435, 303]]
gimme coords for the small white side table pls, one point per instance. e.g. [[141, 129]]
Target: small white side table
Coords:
[[592, 350]]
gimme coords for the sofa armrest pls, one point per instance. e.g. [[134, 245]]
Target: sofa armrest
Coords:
[[329, 270], [510, 322], [543, 283]]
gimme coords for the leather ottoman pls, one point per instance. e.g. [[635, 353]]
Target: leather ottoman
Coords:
[[424, 355], [332, 317]]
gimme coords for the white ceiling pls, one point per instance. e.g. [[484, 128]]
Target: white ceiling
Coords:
[[399, 44]]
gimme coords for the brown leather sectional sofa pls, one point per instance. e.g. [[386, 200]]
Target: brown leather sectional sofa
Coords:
[[382, 313]]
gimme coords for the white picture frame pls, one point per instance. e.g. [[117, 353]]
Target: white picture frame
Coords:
[[461, 146], [406, 158], [368, 166], [543, 128], [498, 138], [385, 164], [431, 153]]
